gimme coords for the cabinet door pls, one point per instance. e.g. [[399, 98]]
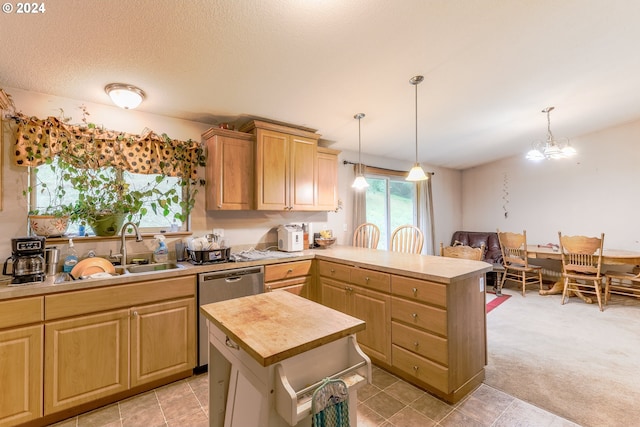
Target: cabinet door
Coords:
[[163, 340], [303, 173], [20, 375], [335, 295], [86, 358], [229, 170], [272, 170], [300, 286], [327, 180], [375, 309]]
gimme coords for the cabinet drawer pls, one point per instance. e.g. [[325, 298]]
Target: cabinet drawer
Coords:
[[287, 270], [272, 286], [420, 342], [335, 271], [423, 316], [422, 369], [95, 300], [371, 279], [21, 312], [421, 290]]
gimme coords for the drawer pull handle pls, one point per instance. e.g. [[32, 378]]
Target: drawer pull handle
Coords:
[[366, 279], [415, 291], [231, 344], [289, 271], [414, 315], [416, 367]]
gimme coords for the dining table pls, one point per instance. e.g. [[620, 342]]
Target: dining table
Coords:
[[609, 257]]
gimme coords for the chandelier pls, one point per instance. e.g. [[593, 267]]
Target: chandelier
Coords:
[[552, 148]]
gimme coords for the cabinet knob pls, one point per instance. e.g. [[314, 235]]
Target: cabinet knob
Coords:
[[366, 279], [414, 315], [416, 344], [135, 314], [268, 288], [289, 271], [416, 367], [332, 271], [415, 291], [219, 206]]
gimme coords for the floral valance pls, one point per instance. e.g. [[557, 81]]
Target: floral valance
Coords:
[[89, 147]]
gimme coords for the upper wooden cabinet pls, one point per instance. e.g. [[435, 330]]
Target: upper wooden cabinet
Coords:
[[286, 166], [229, 171], [327, 179]]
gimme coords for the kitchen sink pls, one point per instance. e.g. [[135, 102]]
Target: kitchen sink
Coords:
[[146, 268]]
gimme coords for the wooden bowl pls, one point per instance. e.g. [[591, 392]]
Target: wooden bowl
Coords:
[[325, 243]]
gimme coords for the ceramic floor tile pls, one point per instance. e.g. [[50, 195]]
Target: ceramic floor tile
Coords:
[[151, 416], [173, 390], [459, 419], [367, 391], [71, 422], [404, 392], [196, 419], [523, 414], [382, 379], [409, 417], [485, 404], [180, 406], [138, 403], [384, 404], [367, 417], [431, 407]]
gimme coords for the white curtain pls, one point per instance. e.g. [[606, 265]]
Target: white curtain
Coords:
[[425, 215]]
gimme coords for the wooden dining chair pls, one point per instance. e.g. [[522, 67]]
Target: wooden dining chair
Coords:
[[462, 251], [515, 261], [581, 265], [621, 283], [366, 235], [407, 238]]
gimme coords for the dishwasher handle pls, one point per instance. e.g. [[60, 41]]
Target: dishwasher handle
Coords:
[[233, 279]]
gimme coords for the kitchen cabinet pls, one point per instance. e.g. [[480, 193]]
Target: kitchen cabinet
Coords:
[[295, 277], [363, 294], [286, 166], [229, 170], [104, 341], [21, 360], [327, 179]]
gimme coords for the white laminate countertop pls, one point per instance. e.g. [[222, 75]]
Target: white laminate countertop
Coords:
[[425, 267]]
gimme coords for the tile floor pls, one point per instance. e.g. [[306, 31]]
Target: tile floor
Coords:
[[387, 402]]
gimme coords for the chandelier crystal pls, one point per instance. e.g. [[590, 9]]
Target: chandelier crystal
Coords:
[[553, 148]]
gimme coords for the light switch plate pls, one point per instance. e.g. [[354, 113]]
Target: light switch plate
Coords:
[[481, 284]]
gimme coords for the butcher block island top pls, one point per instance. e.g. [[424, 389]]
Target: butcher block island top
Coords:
[[274, 326]]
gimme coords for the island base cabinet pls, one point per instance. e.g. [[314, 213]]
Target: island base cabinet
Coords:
[[162, 340], [20, 375], [86, 359]]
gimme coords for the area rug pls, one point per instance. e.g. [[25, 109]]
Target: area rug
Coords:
[[493, 300], [571, 360]]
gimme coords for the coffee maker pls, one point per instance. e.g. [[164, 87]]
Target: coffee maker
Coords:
[[27, 258]]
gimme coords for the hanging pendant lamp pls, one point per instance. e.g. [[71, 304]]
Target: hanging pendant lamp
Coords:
[[360, 182], [416, 173]]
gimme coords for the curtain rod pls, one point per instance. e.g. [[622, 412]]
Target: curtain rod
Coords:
[[347, 162]]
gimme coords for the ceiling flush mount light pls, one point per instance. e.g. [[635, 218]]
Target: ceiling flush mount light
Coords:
[[552, 148], [124, 95], [359, 183], [416, 173]]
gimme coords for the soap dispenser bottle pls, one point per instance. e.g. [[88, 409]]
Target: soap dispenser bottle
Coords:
[[161, 253], [71, 258]]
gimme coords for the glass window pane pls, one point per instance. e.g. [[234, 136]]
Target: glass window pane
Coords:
[[377, 207], [401, 203]]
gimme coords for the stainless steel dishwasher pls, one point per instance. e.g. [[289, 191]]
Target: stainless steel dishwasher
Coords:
[[221, 286]]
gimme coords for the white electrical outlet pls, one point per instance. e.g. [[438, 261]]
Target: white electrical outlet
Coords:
[[218, 232]]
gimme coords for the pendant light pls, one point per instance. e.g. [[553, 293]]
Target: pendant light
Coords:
[[416, 173], [360, 182]]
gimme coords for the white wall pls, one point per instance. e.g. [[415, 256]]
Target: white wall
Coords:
[[241, 227], [591, 193]]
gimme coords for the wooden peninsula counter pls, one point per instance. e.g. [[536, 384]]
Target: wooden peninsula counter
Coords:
[[269, 352]]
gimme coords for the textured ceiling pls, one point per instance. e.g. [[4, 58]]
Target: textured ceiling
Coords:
[[490, 66]]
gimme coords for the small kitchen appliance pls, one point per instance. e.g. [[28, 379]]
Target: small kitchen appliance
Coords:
[[290, 238], [27, 258]]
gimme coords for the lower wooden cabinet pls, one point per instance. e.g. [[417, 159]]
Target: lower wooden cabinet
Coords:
[[89, 355], [295, 277], [20, 375], [372, 306], [162, 340], [86, 358]]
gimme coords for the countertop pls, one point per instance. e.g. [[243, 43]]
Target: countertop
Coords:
[[275, 326], [425, 267]]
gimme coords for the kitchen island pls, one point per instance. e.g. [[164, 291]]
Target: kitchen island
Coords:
[[269, 352]]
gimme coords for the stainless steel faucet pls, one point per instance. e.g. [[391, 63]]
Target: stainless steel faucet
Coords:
[[123, 242]]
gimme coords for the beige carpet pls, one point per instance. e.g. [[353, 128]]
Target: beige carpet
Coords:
[[572, 359]]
